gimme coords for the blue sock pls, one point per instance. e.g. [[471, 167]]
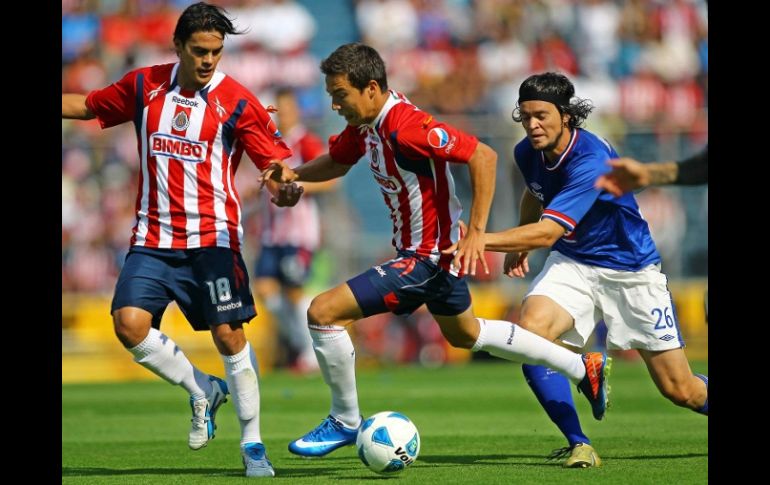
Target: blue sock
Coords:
[[554, 392], [705, 408]]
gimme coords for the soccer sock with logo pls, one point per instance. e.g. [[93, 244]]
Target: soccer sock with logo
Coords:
[[509, 341], [705, 408], [158, 353], [555, 395], [337, 359], [242, 375]]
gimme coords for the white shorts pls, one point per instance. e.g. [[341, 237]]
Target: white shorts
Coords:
[[636, 305]]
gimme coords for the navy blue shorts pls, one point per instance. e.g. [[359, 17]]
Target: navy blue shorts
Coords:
[[401, 285], [210, 285], [288, 264]]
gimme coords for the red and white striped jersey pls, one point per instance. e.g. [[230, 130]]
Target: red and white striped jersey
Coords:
[[300, 225], [408, 153], [190, 144]]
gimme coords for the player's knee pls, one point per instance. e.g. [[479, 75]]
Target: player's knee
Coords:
[[228, 340], [320, 311], [538, 326], [129, 329]]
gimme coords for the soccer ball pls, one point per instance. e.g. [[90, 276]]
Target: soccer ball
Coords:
[[388, 442]]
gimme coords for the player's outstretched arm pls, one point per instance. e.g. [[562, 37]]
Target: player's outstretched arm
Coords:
[[483, 170], [628, 174], [73, 106], [541, 234], [516, 263], [320, 169]]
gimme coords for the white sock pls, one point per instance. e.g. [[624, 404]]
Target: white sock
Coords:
[[158, 353], [241, 372], [337, 359], [511, 342]]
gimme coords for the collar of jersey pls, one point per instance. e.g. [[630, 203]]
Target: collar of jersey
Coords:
[[392, 101], [572, 139]]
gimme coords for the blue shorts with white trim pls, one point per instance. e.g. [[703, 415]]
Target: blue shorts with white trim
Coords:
[[210, 285], [401, 285]]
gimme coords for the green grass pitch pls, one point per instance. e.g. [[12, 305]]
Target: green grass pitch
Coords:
[[479, 424]]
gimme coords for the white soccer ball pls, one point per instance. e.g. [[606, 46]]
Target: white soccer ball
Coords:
[[388, 442]]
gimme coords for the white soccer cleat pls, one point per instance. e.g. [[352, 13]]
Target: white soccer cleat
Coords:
[[203, 413]]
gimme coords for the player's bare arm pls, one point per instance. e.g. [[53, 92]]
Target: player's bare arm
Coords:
[[73, 106], [541, 234], [470, 249], [321, 169], [628, 174], [516, 263], [319, 187]]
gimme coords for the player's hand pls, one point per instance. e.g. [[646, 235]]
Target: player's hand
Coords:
[[516, 264], [278, 171], [468, 251], [626, 175], [288, 195]]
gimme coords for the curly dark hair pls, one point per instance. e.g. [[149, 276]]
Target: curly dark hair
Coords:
[[360, 62], [203, 17], [557, 89]]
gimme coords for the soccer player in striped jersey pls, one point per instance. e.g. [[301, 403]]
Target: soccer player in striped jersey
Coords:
[[408, 153], [603, 263], [193, 124]]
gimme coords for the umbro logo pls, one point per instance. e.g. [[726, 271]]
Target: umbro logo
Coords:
[[667, 337]]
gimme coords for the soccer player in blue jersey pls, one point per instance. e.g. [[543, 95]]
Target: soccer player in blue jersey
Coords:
[[603, 263]]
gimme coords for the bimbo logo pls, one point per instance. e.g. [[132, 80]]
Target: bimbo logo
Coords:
[[387, 184], [164, 145], [438, 138]]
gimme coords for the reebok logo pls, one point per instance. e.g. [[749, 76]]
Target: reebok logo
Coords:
[[185, 102], [229, 306]]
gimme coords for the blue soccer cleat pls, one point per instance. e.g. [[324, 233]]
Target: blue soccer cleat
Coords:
[[594, 384], [203, 413], [325, 438], [255, 460]]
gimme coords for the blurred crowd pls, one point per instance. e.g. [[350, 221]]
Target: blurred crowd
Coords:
[[644, 63]]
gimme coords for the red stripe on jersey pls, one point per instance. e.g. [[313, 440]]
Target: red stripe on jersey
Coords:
[[404, 208], [560, 216], [176, 196], [232, 205], [153, 225], [137, 205], [445, 218], [207, 228], [429, 215]]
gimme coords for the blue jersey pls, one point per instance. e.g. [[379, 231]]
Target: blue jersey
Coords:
[[602, 230]]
